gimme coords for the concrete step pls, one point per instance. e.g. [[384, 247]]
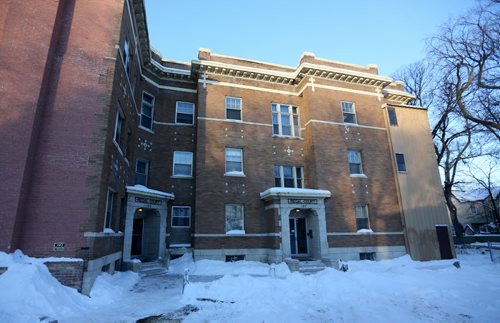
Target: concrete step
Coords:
[[152, 269], [311, 267]]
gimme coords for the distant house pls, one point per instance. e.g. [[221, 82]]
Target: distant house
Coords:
[[474, 208]]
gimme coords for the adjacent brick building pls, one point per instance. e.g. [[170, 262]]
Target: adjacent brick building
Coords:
[[116, 153]]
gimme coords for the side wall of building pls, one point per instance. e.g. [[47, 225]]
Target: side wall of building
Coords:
[[420, 186]]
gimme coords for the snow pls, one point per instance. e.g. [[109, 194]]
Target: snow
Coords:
[[365, 231], [383, 291], [217, 268], [235, 232], [108, 230], [234, 173], [287, 191], [478, 194], [143, 189]]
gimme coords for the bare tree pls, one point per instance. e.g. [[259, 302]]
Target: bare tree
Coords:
[[467, 50], [459, 83], [484, 176], [418, 80]]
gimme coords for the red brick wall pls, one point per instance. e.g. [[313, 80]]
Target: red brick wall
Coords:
[[62, 189], [25, 36], [67, 273]]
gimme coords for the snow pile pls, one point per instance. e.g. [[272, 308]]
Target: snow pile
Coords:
[[29, 292], [107, 287], [215, 268], [398, 290]]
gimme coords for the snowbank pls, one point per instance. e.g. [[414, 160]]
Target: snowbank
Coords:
[[397, 290], [215, 268], [29, 292]]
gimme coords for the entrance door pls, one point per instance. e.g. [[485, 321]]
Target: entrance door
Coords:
[[137, 237], [444, 242], [298, 236]]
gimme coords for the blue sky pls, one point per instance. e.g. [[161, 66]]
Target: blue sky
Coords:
[[389, 33]]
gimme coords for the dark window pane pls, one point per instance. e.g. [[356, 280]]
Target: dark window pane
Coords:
[[286, 131], [400, 159], [184, 118], [233, 114], [146, 122], [276, 129], [140, 179], [349, 118], [289, 182], [182, 170], [146, 110], [362, 223], [355, 168], [393, 120], [233, 166]]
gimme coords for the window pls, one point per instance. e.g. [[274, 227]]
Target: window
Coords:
[[288, 176], [141, 172], [234, 218], [126, 57], [362, 221], [109, 209], [181, 216], [183, 164], [474, 209], [233, 108], [184, 112], [234, 161], [285, 120], [400, 160], [393, 119], [354, 158], [367, 256], [119, 125], [349, 112], [147, 108]]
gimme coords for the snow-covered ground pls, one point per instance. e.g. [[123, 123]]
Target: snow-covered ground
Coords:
[[383, 291]]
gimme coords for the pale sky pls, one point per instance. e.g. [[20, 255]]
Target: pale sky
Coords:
[[389, 33]]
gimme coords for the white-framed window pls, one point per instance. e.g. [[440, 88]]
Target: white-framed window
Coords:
[[400, 161], [234, 214], [393, 118], [234, 161], [181, 216], [183, 164], [355, 164], [147, 110], [184, 112], [233, 108], [362, 220], [110, 201], [126, 56], [288, 176], [349, 112], [285, 120], [141, 172], [119, 126]]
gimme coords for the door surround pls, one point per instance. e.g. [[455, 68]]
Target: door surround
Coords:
[[286, 200], [141, 197]]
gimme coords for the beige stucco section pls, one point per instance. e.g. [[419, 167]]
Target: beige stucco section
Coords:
[[420, 189]]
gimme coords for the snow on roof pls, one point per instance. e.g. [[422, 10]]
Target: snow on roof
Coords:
[[297, 192], [141, 189], [477, 194]]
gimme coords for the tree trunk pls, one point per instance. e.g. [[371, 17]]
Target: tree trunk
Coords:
[[459, 229]]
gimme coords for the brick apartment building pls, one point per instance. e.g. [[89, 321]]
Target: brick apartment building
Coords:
[[112, 153]]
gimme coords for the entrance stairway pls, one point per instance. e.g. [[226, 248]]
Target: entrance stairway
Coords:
[[152, 268], [308, 267]]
